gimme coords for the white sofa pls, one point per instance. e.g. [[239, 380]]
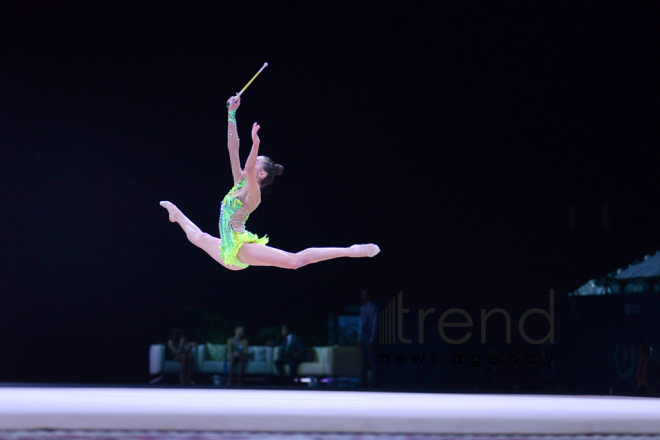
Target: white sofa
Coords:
[[159, 366], [329, 361], [320, 366], [260, 361]]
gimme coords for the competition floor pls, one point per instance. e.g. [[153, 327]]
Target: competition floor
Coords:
[[250, 414]]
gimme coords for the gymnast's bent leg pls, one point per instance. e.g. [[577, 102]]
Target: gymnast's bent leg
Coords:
[[204, 241], [255, 254]]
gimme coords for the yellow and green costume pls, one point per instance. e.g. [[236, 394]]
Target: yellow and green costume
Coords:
[[233, 215]]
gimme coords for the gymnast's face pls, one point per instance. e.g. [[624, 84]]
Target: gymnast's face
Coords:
[[259, 168]]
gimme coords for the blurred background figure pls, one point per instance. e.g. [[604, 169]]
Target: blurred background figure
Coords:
[[180, 351], [237, 351], [367, 333], [291, 353], [643, 367]]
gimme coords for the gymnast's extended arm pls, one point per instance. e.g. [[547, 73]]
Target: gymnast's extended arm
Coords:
[[233, 141], [254, 191]]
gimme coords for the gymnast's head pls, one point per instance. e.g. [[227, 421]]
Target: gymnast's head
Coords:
[[266, 170]]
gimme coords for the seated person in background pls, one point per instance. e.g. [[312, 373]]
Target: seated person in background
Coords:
[[237, 350], [180, 351], [291, 353]]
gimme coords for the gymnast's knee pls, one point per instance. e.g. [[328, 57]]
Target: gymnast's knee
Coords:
[[298, 261]]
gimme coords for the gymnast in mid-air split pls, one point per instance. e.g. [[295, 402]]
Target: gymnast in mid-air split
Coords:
[[237, 248]]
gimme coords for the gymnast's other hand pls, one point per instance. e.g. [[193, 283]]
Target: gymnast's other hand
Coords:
[[255, 136], [234, 105]]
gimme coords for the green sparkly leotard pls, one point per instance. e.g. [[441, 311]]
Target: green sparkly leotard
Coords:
[[233, 215]]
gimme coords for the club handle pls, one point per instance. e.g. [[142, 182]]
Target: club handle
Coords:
[[246, 86]]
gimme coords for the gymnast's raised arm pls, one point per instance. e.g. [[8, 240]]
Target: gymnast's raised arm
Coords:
[[232, 139], [253, 187]]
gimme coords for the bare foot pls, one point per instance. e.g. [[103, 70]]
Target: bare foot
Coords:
[[365, 250], [172, 209]]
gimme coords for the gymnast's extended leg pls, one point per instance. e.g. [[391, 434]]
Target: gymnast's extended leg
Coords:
[[259, 255], [204, 241]]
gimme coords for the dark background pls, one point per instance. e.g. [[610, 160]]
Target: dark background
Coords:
[[454, 136]]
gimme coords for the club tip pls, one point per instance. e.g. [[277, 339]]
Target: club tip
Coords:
[[265, 64]]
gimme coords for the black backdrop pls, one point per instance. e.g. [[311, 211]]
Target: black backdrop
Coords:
[[454, 136]]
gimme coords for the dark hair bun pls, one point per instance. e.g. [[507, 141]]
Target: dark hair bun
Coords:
[[279, 169]]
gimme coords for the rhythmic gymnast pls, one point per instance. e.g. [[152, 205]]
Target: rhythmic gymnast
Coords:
[[238, 248]]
